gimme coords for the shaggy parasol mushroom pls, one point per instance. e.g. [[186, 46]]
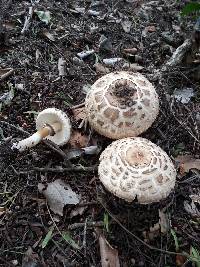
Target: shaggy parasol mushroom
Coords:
[[121, 104], [135, 167], [52, 124]]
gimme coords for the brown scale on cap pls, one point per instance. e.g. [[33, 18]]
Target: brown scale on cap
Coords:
[[122, 101], [137, 168]]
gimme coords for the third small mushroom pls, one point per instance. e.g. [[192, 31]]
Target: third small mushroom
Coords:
[[122, 105]]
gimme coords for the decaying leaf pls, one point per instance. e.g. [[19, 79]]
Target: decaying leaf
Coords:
[[7, 97], [79, 114], [44, 16], [187, 163], [101, 69], [4, 73], [48, 35], [192, 206], [58, 194], [126, 25], [105, 43], [109, 255], [78, 140], [112, 61], [184, 95]]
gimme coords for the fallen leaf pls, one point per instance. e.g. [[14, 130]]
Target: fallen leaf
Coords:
[[132, 67], [183, 95], [111, 61], [79, 114], [78, 140], [4, 73], [126, 25], [100, 68], [109, 255], [44, 16], [58, 194], [47, 34], [7, 97], [192, 206], [131, 51], [187, 163], [85, 54], [105, 43]]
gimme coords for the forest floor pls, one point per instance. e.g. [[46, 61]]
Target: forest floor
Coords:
[[33, 233]]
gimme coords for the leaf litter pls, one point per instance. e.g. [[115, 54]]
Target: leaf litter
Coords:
[[58, 194]]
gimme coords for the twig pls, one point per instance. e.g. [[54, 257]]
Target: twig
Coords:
[[7, 72], [179, 53], [89, 224], [78, 106], [27, 20], [61, 170], [19, 129]]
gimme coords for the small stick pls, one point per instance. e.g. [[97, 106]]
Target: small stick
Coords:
[[61, 170], [27, 20], [89, 224]]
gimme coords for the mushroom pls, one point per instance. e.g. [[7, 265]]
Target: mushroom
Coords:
[[52, 124], [135, 167], [121, 104]]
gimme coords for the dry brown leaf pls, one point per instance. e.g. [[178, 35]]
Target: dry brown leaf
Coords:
[[101, 69], [109, 255], [187, 163], [48, 35], [78, 140], [79, 114]]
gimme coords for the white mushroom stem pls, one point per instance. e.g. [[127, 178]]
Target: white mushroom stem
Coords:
[[37, 137]]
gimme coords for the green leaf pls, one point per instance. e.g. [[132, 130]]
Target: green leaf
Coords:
[[106, 221], [44, 16], [66, 236], [175, 239], [190, 8], [47, 237]]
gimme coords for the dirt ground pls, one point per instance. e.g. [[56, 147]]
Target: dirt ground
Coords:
[[31, 233]]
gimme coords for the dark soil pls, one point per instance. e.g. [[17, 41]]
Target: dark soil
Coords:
[[25, 218]]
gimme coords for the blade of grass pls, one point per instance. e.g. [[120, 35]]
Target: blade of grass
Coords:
[[66, 236], [47, 237], [173, 233]]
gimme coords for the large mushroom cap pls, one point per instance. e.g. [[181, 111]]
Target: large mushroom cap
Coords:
[[121, 104], [50, 116], [135, 167]]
